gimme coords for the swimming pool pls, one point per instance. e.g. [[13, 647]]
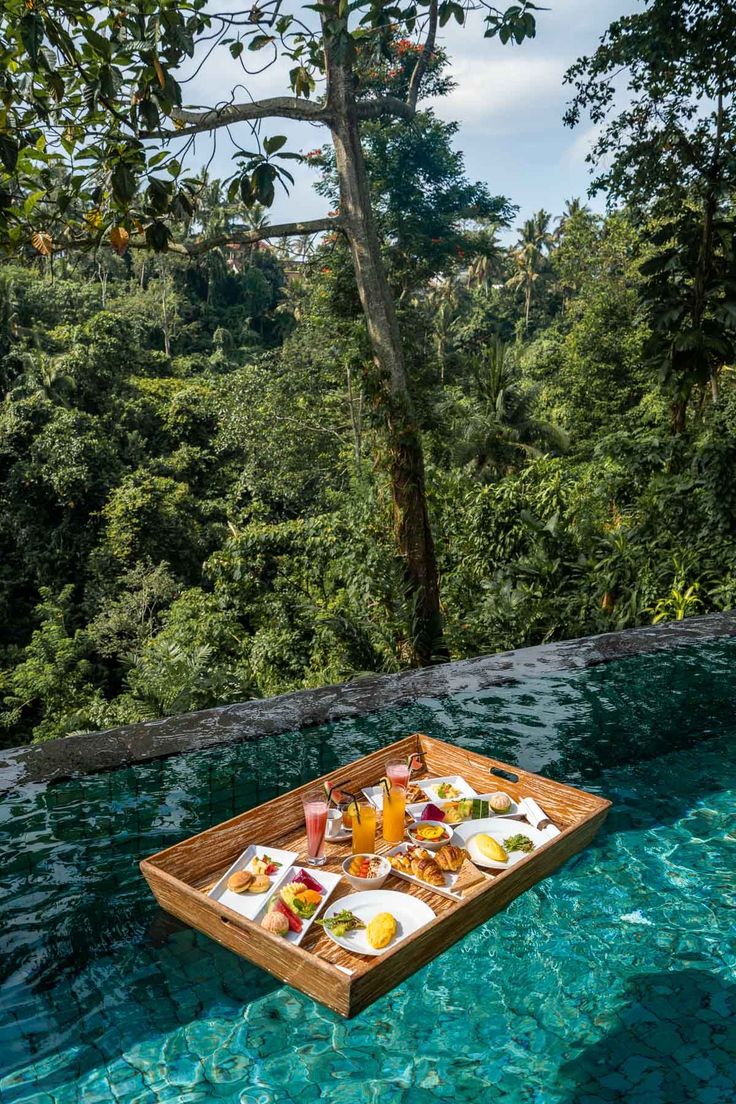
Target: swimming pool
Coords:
[[611, 981]]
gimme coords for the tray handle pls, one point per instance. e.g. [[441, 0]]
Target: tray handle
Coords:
[[509, 776]]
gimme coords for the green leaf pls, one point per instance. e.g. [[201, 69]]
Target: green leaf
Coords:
[[123, 183], [236, 49], [259, 41], [271, 145], [100, 45], [9, 152], [31, 30], [158, 236]]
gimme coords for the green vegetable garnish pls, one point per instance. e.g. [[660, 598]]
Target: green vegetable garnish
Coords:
[[341, 923], [519, 843]]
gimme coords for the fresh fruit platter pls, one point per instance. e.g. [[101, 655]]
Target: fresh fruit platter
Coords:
[[346, 886]]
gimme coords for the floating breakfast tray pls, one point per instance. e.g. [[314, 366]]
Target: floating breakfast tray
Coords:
[[182, 876]]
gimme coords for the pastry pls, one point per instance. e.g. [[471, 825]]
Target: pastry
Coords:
[[260, 884], [240, 881], [401, 863], [276, 923], [428, 871], [451, 858]]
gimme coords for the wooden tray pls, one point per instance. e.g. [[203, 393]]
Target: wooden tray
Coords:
[[181, 876]]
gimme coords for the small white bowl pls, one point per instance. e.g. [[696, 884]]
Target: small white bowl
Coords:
[[367, 883], [430, 845]]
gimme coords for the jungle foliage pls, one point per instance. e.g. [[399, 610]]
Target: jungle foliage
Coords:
[[195, 504]]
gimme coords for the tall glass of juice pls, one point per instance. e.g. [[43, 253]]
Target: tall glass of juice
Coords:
[[315, 817], [394, 807], [364, 829], [397, 772]]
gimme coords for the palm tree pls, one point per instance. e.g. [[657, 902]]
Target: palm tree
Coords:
[[44, 375], [530, 257], [488, 262], [501, 428], [443, 306], [573, 208]]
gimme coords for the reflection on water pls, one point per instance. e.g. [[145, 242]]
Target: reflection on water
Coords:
[[608, 982]]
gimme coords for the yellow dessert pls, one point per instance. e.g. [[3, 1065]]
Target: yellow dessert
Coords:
[[381, 930], [490, 848]]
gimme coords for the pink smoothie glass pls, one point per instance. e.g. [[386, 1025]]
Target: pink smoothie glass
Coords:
[[315, 817], [397, 772]]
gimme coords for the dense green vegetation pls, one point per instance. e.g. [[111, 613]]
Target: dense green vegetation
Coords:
[[201, 526], [197, 495]]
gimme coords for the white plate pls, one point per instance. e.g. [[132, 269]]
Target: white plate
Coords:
[[416, 810], [326, 880], [250, 904], [499, 829], [429, 785], [410, 913], [450, 879]]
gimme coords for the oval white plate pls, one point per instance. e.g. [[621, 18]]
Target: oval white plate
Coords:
[[409, 912], [499, 829]]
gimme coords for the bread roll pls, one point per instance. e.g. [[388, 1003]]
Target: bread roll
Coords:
[[260, 884], [240, 881]]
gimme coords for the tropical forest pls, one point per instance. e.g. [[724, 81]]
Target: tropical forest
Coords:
[[240, 456]]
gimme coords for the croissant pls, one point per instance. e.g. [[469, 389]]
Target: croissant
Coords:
[[428, 871], [451, 858], [400, 862]]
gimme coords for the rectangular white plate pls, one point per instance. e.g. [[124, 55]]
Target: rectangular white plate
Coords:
[[326, 880], [250, 904], [375, 794], [416, 810], [450, 879], [429, 785]]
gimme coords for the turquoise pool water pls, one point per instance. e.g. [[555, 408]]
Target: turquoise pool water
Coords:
[[611, 981]]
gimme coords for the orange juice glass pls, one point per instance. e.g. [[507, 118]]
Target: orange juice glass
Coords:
[[348, 813], [364, 829], [394, 808]]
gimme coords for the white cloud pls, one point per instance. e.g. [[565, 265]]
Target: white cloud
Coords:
[[496, 97]]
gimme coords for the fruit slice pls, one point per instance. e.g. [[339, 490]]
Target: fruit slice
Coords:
[[432, 812], [348, 814], [308, 881], [295, 923], [337, 794], [490, 848]]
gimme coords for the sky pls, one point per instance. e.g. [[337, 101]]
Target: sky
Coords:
[[509, 102]]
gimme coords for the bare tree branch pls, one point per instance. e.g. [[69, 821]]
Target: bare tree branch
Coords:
[[423, 60], [248, 237], [384, 105], [284, 107]]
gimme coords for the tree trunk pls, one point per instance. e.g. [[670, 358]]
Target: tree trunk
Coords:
[[679, 415], [714, 385], [406, 459]]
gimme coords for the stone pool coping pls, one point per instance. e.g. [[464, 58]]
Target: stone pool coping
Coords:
[[90, 753]]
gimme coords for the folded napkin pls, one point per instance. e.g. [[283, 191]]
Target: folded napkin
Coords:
[[538, 818]]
